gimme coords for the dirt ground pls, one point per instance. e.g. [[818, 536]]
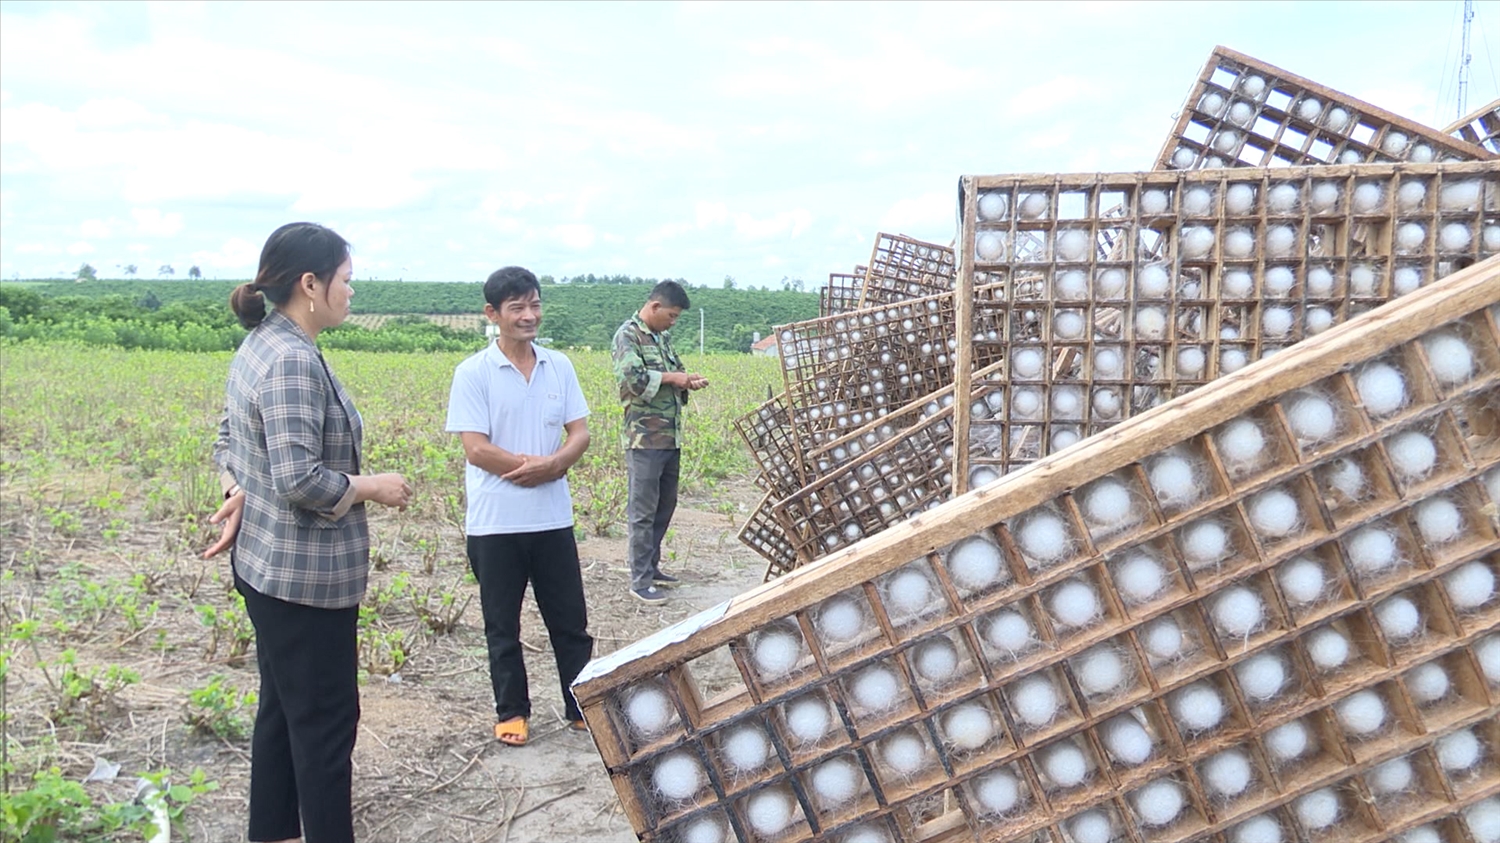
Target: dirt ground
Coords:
[[426, 765]]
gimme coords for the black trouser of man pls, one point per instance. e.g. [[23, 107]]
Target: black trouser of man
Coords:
[[503, 564], [651, 498], [301, 768]]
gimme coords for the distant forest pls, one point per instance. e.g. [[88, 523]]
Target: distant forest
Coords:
[[580, 312]]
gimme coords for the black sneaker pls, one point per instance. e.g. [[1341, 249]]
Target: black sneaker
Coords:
[[665, 579], [649, 594]]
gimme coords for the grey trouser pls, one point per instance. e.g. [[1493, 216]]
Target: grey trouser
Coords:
[[649, 507]]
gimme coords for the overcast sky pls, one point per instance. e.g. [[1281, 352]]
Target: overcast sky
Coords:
[[692, 140]]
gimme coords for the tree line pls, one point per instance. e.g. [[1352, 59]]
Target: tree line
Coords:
[[194, 315]]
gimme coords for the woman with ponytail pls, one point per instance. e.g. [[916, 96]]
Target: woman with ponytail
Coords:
[[294, 522]]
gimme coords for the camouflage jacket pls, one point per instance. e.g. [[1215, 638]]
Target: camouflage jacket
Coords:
[[652, 411]]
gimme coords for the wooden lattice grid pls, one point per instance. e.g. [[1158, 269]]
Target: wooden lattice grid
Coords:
[[767, 432], [1482, 128], [843, 292], [764, 534], [1243, 112], [958, 723], [904, 268]]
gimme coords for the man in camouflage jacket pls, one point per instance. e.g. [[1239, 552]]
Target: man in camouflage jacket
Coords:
[[653, 390]]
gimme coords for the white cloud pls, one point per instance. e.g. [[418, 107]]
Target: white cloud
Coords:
[[923, 213], [574, 235], [80, 248], [792, 223], [154, 223], [236, 254], [96, 230]]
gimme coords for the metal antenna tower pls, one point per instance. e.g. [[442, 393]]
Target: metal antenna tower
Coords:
[[1463, 62]]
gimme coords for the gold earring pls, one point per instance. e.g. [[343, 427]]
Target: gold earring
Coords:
[[312, 307]]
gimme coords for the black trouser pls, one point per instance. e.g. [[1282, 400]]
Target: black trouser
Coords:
[[300, 756], [651, 498], [503, 564]]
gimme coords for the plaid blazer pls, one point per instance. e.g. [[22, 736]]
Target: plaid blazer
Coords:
[[290, 437]]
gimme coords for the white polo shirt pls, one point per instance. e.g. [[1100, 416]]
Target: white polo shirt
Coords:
[[490, 396]]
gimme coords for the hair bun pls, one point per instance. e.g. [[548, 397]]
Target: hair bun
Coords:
[[248, 304]]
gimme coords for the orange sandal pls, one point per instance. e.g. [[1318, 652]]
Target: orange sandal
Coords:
[[578, 726], [511, 732]]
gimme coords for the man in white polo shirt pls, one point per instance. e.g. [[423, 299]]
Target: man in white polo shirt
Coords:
[[511, 403]]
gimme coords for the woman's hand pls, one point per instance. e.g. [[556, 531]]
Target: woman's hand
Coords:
[[228, 516], [384, 489]]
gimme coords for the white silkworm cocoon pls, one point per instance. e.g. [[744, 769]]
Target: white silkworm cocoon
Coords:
[[1372, 550], [1239, 200], [1390, 778], [1421, 154], [1319, 282], [1238, 284], [1325, 197], [1074, 604], [936, 660], [1382, 388], [1274, 513], [1044, 537], [909, 594], [1110, 283], [1367, 197], [905, 752], [1301, 581], [1241, 444], [1232, 360], [776, 652], [1452, 361], [1413, 454], [1026, 362], [1238, 611], [1469, 586], [648, 711], [1252, 86], [1312, 417], [1204, 543], [1034, 206], [836, 782], [1241, 114], [1490, 237], [1410, 194], [865, 833], [1108, 363], [1405, 279], [1459, 196], [1399, 619], [1394, 143], [1280, 280], [1140, 578], [1198, 707], [1072, 245], [1159, 803], [703, 830], [1318, 810], [678, 776], [876, 689], [808, 719], [1068, 325], [976, 564], [982, 475], [1239, 243], [746, 748], [969, 726], [1126, 740], [1191, 361], [1197, 242], [1288, 741], [997, 791], [1174, 480], [1091, 826], [1458, 751], [1410, 236], [1483, 820], [1362, 280], [993, 205], [1106, 403], [1261, 829], [1309, 109], [1065, 764], [1107, 505], [1280, 240], [1261, 676], [1228, 773], [1283, 198], [1428, 683], [1327, 648], [1101, 671], [1035, 700], [1425, 834], [989, 246], [769, 811], [1162, 638], [1156, 201], [1025, 403], [1226, 141], [1070, 285], [1345, 476], [1184, 158], [1439, 520], [1362, 713], [1152, 282], [1009, 631]]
